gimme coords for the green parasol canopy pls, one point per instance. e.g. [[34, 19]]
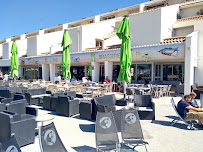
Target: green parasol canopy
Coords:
[[66, 55], [14, 60], [125, 53]]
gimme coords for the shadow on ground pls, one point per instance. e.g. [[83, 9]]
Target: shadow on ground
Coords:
[[84, 149], [87, 127], [179, 124]]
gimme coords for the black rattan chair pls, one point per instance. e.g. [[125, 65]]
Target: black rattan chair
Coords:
[[67, 107], [131, 130], [146, 105], [22, 127], [50, 140], [106, 132]]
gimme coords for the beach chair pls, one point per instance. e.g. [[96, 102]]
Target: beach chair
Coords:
[[189, 123], [105, 132], [10, 145], [49, 139], [131, 130]]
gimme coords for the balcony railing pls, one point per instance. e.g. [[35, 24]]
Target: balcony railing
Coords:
[[174, 40]]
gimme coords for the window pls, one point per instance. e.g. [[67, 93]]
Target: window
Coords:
[[173, 72]]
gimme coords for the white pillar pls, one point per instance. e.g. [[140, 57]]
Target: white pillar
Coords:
[[108, 69], [96, 18], [52, 71], [95, 71], [41, 32], [190, 58], [141, 7], [85, 70], [162, 72], [65, 26], [45, 71], [153, 72], [20, 71]]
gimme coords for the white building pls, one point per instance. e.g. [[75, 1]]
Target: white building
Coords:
[[166, 44]]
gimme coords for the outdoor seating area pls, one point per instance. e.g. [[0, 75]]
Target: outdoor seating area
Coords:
[[21, 109]]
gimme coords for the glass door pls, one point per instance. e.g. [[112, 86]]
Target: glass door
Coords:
[[158, 72]]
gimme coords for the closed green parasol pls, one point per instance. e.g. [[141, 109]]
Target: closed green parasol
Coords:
[[14, 60], [65, 66], [125, 53]]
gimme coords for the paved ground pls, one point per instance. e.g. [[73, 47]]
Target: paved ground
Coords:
[[78, 134]]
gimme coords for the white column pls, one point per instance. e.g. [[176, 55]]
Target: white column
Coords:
[[153, 72], [96, 18], [65, 26], [108, 69], [190, 56], [162, 72], [41, 32], [20, 71], [45, 71], [85, 70], [141, 7], [52, 71], [95, 71]]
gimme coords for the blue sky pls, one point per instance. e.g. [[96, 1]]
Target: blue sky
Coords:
[[22, 16]]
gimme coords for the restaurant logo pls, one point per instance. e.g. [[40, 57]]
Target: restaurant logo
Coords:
[[130, 118], [50, 137], [12, 148], [75, 59], [54, 59], [148, 55], [169, 51], [105, 122]]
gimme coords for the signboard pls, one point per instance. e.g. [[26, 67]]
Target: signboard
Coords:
[[160, 52]]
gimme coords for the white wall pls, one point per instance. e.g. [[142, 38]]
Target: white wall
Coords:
[[32, 46], [190, 59], [111, 41], [75, 34], [22, 47], [145, 28], [183, 31], [168, 18], [92, 31], [199, 70], [6, 54], [1, 50], [49, 41], [190, 11]]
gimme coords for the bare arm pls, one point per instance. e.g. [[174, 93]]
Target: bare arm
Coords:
[[195, 109]]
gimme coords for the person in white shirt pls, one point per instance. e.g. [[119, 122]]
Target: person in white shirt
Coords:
[[85, 79]]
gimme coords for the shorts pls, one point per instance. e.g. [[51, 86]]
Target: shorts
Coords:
[[192, 115]]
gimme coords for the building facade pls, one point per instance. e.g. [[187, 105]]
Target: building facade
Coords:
[[166, 45]]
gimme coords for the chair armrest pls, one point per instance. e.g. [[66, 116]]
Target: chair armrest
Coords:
[[31, 111], [48, 92], [121, 102], [79, 95], [153, 105]]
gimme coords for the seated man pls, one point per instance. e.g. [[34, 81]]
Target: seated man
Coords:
[[107, 80], [193, 102], [187, 111], [73, 79]]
